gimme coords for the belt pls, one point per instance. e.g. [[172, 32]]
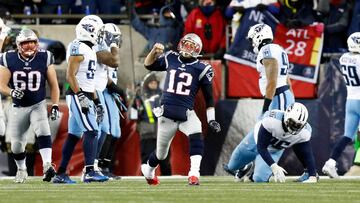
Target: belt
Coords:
[[281, 89]]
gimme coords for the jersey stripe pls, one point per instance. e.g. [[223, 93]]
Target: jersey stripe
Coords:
[[204, 72]]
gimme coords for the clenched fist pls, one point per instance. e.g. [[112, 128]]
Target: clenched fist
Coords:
[[158, 49]]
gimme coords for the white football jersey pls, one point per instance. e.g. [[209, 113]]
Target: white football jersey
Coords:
[[112, 74], [277, 52], [101, 75], [350, 67], [86, 71], [272, 122]]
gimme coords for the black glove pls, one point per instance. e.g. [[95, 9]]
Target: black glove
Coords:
[[16, 93], [3, 145], [54, 112], [84, 102], [99, 111], [214, 126]]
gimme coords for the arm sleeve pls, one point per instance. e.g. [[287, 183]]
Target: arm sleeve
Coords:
[[158, 65], [304, 153], [264, 138], [141, 27], [208, 95], [50, 58]]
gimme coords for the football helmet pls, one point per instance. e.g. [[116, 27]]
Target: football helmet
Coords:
[[258, 33], [190, 45], [88, 30], [353, 42], [295, 117], [23, 44], [112, 34], [94, 18]]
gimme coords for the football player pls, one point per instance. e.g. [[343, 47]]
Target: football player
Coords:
[[276, 131], [185, 75], [272, 64], [23, 73], [4, 30], [110, 94], [350, 67], [82, 101]]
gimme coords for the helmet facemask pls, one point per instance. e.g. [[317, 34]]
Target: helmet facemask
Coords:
[[27, 43], [295, 118], [294, 127]]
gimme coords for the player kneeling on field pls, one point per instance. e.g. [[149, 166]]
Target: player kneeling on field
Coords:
[[279, 130]]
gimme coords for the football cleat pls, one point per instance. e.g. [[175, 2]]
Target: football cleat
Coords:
[[49, 172], [63, 179], [21, 176], [330, 169], [245, 172], [305, 178], [193, 180], [106, 172], [149, 175], [94, 176], [227, 170], [153, 181]]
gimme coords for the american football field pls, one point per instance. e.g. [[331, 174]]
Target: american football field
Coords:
[[175, 189]]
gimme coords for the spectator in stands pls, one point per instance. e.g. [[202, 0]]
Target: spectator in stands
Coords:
[[147, 98], [296, 13], [148, 6], [355, 19], [336, 23], [102, 7], [168, 32], [209, 24], [56, 6]]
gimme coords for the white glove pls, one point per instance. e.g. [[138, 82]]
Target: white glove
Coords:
[[278, 172], [312, 179]]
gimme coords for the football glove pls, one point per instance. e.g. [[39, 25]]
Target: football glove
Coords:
[[214, 126], [16, 94], [99, 113], [278, 172], [84, 102], [54, 112]]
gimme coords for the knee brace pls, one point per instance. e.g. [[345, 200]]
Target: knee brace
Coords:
[[196, 144]]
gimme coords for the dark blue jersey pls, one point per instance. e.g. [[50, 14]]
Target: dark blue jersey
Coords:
[[29, 75], [183, 80]]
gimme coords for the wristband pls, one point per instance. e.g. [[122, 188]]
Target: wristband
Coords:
[[210, 113]]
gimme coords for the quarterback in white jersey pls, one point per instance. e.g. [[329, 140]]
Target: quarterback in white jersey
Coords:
[[350, 67], [279, 130]]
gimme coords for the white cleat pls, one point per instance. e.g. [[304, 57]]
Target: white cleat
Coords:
[[330, 169], [146, 171], [21, 176]]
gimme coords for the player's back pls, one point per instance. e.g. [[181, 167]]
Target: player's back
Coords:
[[276, 52], [29, 75], [350, 67], [86, 72], [272, 122], [183, 80]]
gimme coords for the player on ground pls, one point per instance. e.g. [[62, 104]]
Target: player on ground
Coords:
[[185, 76], [82, 101], [279, 130], [23, 73], [350, 67], [272, 63]]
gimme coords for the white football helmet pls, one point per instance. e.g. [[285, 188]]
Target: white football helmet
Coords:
[[112, 34], [353, 42], [295, 117], [88, 30], [190, 45], [258, 33], [27, 49], [95, 18]]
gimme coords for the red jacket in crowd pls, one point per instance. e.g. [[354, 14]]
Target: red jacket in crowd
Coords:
[[196, 23]]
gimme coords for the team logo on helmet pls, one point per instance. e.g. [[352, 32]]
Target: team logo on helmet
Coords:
[[88, 27], [356, 39]]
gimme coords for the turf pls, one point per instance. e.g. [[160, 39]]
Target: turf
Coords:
[[212, 189]]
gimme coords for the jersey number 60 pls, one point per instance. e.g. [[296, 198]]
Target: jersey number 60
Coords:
[[30, 80]]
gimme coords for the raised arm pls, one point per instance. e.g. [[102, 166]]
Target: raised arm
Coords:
[[151, 63]]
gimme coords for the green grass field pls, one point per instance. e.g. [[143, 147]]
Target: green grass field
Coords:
[[212, 189]]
